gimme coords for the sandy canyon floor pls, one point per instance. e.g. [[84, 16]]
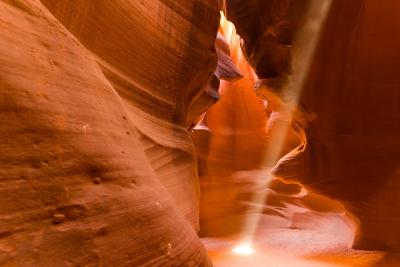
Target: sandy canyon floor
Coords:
[[295, 248]]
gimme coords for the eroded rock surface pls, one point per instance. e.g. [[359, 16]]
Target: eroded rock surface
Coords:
[[353, 147], [98, 98], [97, 166], [351, 96], [238, 143]]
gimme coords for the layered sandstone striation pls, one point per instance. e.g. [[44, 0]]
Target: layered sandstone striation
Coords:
[[97, 165], [100, 102], [353, 145], [348, 108], [239, 141]]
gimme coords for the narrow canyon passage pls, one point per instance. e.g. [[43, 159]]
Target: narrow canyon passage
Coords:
[[200, 133], [248, 216]]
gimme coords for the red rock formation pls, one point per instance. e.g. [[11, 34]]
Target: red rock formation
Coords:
[[266, 28], [237, 145], [353, 151], [97, 167], [163, 103], [98, 98], [352, 93]]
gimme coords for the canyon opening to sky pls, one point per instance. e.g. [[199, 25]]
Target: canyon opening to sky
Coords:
[[227, 133]]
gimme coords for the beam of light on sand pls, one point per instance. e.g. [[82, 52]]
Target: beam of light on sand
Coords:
[[243, 249], [308, 39]]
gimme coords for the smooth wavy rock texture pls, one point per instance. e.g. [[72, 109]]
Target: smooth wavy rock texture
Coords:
[[233, 141], [353, 147], [349, 105], [97, 166]]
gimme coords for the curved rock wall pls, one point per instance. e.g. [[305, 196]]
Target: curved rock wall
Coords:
[[158, 55], [237, 145], [354, 147], [266, 29], [97, 167], [352, 94]]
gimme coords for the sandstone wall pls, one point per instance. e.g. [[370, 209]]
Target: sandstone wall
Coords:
[[350, 104], [97, 166]]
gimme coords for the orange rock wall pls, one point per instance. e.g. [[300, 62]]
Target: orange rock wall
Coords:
[[352, 98], [354, 143], [97, 167]]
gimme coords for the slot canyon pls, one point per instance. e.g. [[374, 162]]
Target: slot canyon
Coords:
[[226, 133]]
